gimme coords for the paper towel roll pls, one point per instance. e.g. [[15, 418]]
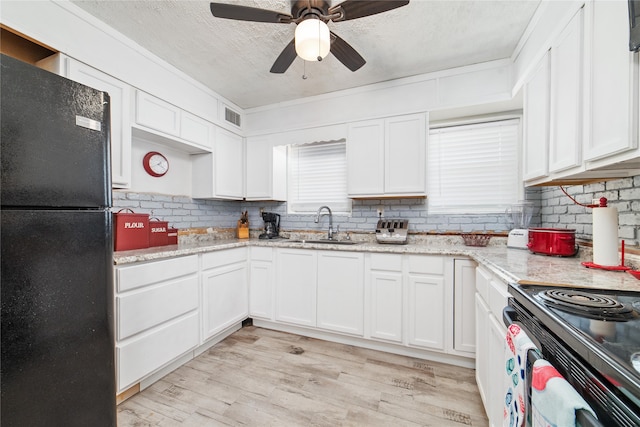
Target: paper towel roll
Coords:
[[605, 236]]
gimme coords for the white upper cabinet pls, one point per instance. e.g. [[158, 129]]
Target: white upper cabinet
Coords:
[[387, 157], [229, 164], [120, 95], [536, 122], [220, 175], [157, 114], [365, 158], [583, 98], [266, 169], [567, 63], [405, 155], [612, 89], [159, 121], [195, 129]]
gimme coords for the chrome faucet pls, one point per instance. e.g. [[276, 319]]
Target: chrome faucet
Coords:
[[317, 219]]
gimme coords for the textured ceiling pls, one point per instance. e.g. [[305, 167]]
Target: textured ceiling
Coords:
[[233, 58]]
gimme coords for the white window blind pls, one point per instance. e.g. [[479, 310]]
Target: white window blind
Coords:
[[317, 176], [473, 168]]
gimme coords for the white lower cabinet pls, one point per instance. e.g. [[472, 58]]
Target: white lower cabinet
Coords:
[[157, 316], [296, 285], [464, 319], [426, 303], [491, 298], [482, 347], [340, 305], [496, 392], [384, 297], [261, 279], [168, 310], [225, 299], [323, 289]]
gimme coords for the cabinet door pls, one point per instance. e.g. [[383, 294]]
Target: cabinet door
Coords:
[[464, 327], [611, 84], [565, 144], [426, 311], [195, 129], [120, 94], [365, 158], [482, 348], [229, 161], [536, 122], [224, 298], [405, 154], [296, 287], [385, 305], [496, 390], [157, 114], [266, 170], [341, 292], [261, 289]]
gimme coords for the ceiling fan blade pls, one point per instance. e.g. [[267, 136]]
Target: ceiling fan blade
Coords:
[[285, 59], [345, 53], [245, 13], [354, 9]]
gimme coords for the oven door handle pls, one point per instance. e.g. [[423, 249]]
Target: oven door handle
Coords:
[[509, 316]]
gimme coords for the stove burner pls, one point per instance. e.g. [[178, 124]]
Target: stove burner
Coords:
[[588, 304]]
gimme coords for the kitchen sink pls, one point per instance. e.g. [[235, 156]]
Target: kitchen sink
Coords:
[[327, 242]]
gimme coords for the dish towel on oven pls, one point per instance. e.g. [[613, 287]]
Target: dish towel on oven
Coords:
[[515, 363], [554, 402]]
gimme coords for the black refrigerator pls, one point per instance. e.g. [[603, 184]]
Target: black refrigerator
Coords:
[[57, 366]]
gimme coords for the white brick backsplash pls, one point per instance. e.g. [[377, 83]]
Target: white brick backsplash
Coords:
[[623, 194], [555, 209]]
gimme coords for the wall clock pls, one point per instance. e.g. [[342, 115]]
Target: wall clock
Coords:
[[155, 164]]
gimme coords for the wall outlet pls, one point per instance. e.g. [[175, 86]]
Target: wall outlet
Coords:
[[380, 211]]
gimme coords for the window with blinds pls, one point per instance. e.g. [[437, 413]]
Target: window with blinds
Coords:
[[317, 176], [473, 168]]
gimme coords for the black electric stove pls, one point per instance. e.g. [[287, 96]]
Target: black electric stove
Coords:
[[592, 337]]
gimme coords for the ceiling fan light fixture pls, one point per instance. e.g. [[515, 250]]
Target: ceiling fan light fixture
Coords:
[[312, 40]]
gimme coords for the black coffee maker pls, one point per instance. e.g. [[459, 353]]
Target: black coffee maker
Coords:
[[271, 225]]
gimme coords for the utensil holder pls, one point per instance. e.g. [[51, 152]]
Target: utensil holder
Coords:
[[242, 230]]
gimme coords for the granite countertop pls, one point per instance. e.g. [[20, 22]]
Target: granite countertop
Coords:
[[511, 265]]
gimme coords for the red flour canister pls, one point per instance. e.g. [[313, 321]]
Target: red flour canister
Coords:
[[131, 230]]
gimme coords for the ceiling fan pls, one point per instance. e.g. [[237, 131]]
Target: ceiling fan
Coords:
[[311, 15]]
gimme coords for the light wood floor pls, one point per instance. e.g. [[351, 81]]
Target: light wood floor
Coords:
[[259, 377]]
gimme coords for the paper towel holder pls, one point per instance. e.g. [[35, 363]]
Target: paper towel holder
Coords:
[[620, 267]]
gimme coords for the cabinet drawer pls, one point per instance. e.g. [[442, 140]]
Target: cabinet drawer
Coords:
[[138, 311], [136, 276], [483, 278], [498, 297], [221, 258], [137, 359], [426, 264], [386, 262], [261, 254]]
